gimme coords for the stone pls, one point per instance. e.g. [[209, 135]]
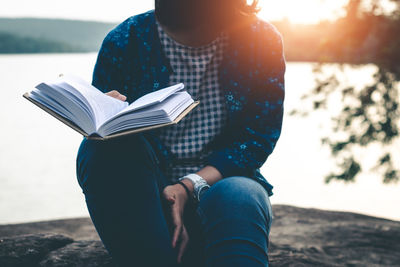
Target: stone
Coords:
[[299, 237], [312, 237], [84, 253], [28, 250]]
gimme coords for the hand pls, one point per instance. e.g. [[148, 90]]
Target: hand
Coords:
[[177, 197], [117, 95]]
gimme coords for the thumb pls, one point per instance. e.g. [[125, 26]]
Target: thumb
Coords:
[[170, 199]]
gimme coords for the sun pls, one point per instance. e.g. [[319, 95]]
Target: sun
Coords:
[[304, 11]]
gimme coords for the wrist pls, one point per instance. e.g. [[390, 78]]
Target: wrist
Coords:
[[184, 190], [197, 184], [188, 184]]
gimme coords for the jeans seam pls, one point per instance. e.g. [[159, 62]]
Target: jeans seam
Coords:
[[152, 155], [201, 215]]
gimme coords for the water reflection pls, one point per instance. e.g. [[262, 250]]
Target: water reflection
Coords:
[[37, 153]]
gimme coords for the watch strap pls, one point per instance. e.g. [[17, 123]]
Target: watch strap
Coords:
[[199, 183], [186, 188], [193, 177]]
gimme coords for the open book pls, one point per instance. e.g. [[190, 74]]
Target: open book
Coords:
[[99, 116]]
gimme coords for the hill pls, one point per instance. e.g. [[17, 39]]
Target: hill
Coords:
[[368, 39], [12, 44], [77, 36]]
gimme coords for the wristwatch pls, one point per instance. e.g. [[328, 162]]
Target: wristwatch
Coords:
[[200, 185]]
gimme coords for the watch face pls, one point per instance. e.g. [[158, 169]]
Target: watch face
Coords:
[[202, 191]]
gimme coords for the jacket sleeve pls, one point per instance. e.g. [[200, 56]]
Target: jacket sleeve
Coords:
[[256, 134], [108, 70]]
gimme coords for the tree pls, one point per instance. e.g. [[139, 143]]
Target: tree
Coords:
[[370, 115]]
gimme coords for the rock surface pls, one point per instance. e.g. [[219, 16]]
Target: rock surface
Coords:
[[88, 253], [27, 249], [299, 237], [311, 237]]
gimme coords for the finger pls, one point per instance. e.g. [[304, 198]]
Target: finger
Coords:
[[169, 197], [177, 233], [117, 95], [121, 97], [177, 221], [183, 245], [112, 93]]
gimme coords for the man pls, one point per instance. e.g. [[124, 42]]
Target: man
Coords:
[[191, 193]]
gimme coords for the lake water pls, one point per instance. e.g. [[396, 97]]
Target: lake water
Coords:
[[37, 153]]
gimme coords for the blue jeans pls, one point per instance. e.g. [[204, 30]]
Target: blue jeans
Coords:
[[122, 180]]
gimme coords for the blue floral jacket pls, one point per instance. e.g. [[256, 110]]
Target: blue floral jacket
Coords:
[[251, 75]]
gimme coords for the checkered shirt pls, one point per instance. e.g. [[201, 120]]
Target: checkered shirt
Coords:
[[197, 68]]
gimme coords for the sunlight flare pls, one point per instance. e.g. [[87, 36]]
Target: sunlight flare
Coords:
[[306, 11]]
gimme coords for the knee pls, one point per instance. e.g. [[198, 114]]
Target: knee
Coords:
[[237, 196], [236, 191], [236, 209], [115, 152], [110, 149], [107, 161]]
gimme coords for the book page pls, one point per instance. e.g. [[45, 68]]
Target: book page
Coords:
[[58, 96], [154, 114], [83, 122], [103, 106], [154, 97]]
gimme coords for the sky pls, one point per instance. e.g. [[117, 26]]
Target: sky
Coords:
[[304, 11]]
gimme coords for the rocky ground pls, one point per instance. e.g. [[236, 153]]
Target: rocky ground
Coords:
[[299, 237]]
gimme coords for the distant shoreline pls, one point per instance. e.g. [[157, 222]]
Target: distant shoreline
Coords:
[[95, 52], [48, 53]]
